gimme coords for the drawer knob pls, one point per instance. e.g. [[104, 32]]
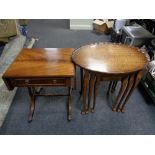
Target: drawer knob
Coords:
[[54, 81]]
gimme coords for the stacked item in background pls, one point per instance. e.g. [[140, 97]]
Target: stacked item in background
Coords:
[[12, 27], [103, 25]]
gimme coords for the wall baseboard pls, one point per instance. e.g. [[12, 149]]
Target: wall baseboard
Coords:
[[81, 27], [81, 24]]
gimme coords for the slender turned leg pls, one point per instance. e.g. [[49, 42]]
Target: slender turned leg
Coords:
[[113, 86], [129, 86], [69, 104], [91, 83], [86, 78], [123, 86], [97, 82], [109, 88], [136, 81], [81, 73], [32, 104]]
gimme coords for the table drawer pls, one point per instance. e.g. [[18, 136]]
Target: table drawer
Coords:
[[51, 81]]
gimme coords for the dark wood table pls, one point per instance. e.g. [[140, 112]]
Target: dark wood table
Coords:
[[112, 62], [34, 68]]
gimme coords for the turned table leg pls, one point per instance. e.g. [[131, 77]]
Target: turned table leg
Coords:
[[136, 81], [122, 89], [69, 104], [114, 84], [109, 88], [97, 82], [112, 87], [86, 78], [81, 74], [32, 103], [129, 86], [91, 84]]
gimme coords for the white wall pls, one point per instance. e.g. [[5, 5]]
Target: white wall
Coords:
[[81, 24]]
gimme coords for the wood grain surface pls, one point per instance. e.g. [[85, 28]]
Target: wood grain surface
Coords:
[[110, 58], [112, 62], [47, 62]]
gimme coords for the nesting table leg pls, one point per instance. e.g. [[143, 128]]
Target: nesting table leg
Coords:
[[91, 84], [81, 73], [122, 89], [113, 86], [136, 81], [128, 84], [32, 103], [86, 78], [128, 88], [97, 82], [109, 88]]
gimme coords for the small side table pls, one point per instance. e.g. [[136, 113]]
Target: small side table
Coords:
[[34, 68]]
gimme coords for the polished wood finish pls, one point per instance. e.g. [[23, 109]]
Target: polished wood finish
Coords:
[[97, 82], [127, 90], [138, 77], [114, 84], [40, 81], [110, 62], [47, 62], [110, 58], [109, 88], [124, 82], [42, 67], [91, 83], [85, 82], [81, 73], [112, 87]]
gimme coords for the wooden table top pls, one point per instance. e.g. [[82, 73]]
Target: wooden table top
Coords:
[[110, 58], [42, 62]]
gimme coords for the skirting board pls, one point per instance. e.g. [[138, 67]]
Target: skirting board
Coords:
[[81, 27], [81, 24]]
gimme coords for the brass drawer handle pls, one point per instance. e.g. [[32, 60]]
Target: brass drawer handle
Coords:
[[54, 81], [27, 81]]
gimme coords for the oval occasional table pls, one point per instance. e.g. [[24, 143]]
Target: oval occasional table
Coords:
[[110, 62]]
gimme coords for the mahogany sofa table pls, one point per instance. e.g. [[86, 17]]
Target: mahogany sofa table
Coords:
[[34, 68], [111, 62]]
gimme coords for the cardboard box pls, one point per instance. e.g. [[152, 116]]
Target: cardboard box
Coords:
[[100, 26]]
